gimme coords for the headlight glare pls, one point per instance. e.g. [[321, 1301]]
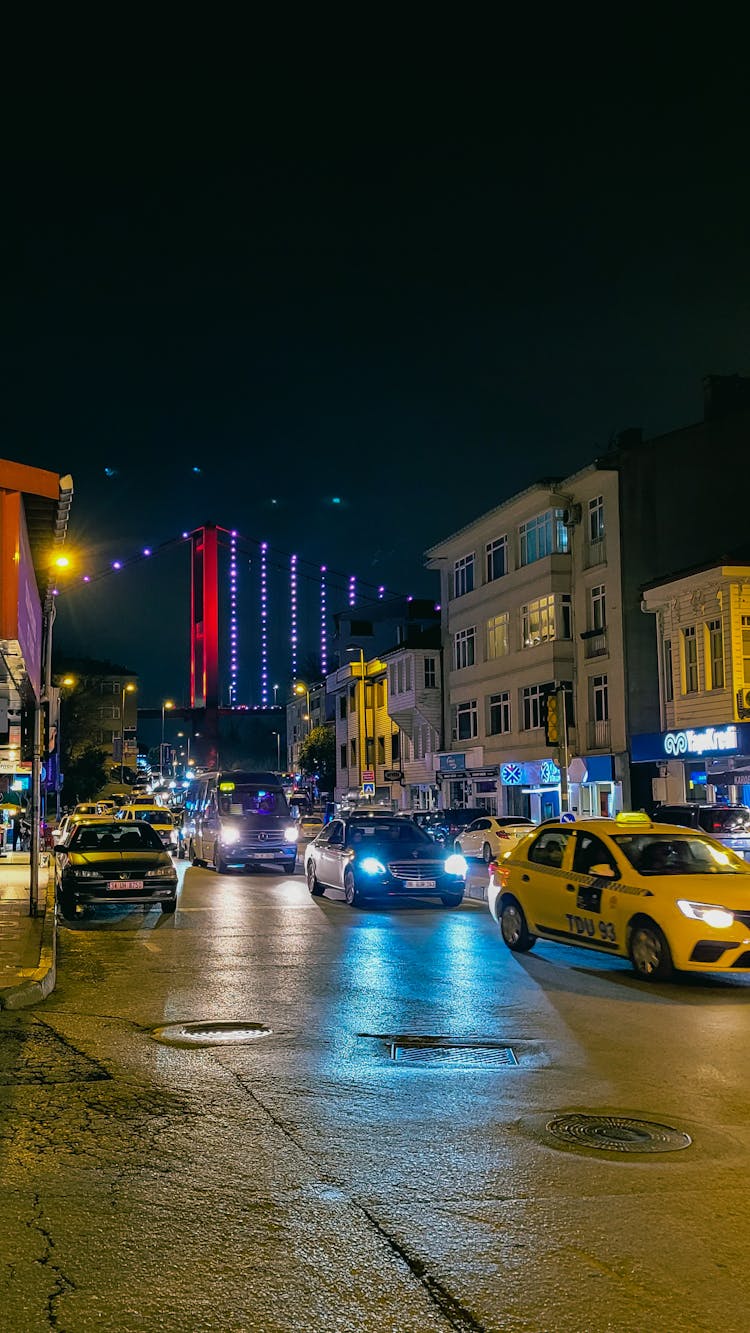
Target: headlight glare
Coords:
[[718, 917], [229, 836], [456, 865], [372, 866], [291, 834]]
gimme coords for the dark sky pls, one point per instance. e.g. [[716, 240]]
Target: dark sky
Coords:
[[416, 289]]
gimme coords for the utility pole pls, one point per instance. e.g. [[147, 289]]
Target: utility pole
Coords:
[[564, 755]]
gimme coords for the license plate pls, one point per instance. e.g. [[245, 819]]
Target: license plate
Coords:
[[264, 856], [124, 885], [420, 883]]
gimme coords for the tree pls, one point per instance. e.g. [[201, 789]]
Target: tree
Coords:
[[317, 757], [84, 776]]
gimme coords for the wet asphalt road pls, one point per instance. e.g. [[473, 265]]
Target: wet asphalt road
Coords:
[[308, 1182]]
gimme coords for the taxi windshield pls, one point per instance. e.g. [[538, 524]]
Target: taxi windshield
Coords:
[[114, 838], [664, 854], [154, 816]]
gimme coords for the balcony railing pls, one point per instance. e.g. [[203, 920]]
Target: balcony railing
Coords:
[[595, 553], [595, 643], [599, 735]]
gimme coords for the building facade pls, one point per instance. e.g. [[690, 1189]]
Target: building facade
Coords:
[[530, 599], [306, 708]]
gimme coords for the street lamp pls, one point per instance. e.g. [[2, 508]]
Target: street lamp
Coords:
[[126, 689], [301, 688], [362, 728], [275, 692], [277, 734], [166, 704]]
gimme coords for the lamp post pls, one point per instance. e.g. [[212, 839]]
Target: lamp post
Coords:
[[275, 692], [166, 704], [277, 734], [126, 689], [301, 688], [362, 728]]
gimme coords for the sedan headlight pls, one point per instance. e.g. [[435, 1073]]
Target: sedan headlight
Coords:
[[161, 872], [456, 865], [718, 917], [229, 836], [291, 834], [372, 866]]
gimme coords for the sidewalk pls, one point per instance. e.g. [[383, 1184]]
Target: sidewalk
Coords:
[[27, 944]]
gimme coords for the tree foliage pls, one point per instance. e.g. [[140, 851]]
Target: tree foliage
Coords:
[[317, 755], [84, 776]]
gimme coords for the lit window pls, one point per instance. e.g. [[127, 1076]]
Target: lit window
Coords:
[[497, 635], [541, 536], [596, 519]]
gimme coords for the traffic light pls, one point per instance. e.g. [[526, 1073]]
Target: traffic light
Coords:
[[551, 717]]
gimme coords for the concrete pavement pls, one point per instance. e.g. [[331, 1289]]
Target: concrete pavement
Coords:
[[28, 952]]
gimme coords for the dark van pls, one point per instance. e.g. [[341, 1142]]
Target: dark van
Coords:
[[239, 819]]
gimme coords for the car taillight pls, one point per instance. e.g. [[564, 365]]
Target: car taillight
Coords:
[[500, 872], [500, 833]]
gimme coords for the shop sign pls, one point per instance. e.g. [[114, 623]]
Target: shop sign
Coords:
[[538, 772], [704, 742], [452, 763], [393, 775], [511, 775]]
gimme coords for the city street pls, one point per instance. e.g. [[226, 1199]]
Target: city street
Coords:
[[307, 1180]]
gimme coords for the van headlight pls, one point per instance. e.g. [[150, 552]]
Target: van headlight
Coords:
[[718, 917], [456, 865], [291, 834], [229, 836]]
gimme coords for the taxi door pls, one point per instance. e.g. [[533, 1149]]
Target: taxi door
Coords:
[[541, 880], [594, 911]]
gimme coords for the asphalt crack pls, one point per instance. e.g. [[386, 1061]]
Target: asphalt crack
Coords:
[[62, 1284]]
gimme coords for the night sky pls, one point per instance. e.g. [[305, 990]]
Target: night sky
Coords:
[[416, 290]]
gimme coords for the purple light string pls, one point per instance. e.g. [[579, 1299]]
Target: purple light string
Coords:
[[381, 593], [352, 589], [264, 624], [323, 627], [293, 615], [232, 619]]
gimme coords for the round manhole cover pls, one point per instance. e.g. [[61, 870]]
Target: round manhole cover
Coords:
[[617, 1133], [210, 1034]]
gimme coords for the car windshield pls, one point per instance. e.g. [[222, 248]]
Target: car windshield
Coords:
[[663, 854], [154, 816], [252, 801], [114, 838], [387, 830]]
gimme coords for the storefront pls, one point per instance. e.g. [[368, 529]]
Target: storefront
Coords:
[[704, 764]]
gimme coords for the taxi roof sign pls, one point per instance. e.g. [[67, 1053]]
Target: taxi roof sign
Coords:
[[636, 818], [226, 786]]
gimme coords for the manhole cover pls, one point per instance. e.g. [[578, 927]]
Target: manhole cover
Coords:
[[453, 1057], [210, 1034], [617, 1133]]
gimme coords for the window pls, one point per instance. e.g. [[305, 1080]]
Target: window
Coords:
[[538, 621], [381, 749], [746, 649], [497, 559], [407, 673], [690, 659], [668, 672], [115, 687], [353, 750], [400, 677], [392, 670], [598, 607], [531, 700], [465, 721], [463, 575], [599, 698], [497, 635], [352, 698], [395, 746], [715, 655], [463, 648], [342, 706], [541, 536], [430, 673], [589, 851], [498, 714], [596, 519], [549, 848]]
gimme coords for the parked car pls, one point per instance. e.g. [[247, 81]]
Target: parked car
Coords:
[[374, 856], [728, 824], [108, 861], [452, 822], [662, 896], [69, 822], [492, 835]]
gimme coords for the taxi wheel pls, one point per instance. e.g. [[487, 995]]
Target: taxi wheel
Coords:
[[514, 927], [649, 951], [486, 853]]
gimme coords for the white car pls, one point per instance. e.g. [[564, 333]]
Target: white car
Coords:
[[492, 835]]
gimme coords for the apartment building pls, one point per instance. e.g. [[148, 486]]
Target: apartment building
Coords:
[[701, 621], [306, 709], [530, 598]]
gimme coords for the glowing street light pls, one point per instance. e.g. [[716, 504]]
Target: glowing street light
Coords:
[[126, 689], [166, 705]]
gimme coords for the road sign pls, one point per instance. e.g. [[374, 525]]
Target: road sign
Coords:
[[368, 788], [368, 775]]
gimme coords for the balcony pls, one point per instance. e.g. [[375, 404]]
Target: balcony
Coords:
[[595, 643], [595, 553], [599, 735]]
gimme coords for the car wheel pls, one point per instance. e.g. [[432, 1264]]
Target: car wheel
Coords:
[[67, 904], [351, 893], [290, 866], [514, 927], [451, 899], [313, 883], [486, 853], [169, 907], [649, 951], [220, 865], [191, 855]]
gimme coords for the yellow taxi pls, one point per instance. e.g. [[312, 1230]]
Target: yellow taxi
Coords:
[[157, 816], [663, 896]]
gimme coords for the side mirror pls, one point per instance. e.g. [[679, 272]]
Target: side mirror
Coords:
[[603, 872]]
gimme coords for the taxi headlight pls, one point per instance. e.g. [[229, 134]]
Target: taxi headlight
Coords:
[[456, 865], [718, 917], [229, 836], [291, 834], [372, 866]]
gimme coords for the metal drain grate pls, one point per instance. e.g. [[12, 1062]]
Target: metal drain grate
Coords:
[[454, 1057], [210, 1034], [617, 1133]]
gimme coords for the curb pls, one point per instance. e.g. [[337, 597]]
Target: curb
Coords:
[[42, 980]]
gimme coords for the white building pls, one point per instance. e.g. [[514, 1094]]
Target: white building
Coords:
[[530, 596]]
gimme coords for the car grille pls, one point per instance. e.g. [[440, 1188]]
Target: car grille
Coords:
[[416, 869], [274, 837]]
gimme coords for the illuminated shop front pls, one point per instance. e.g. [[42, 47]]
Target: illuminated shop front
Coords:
[[706, 764]]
